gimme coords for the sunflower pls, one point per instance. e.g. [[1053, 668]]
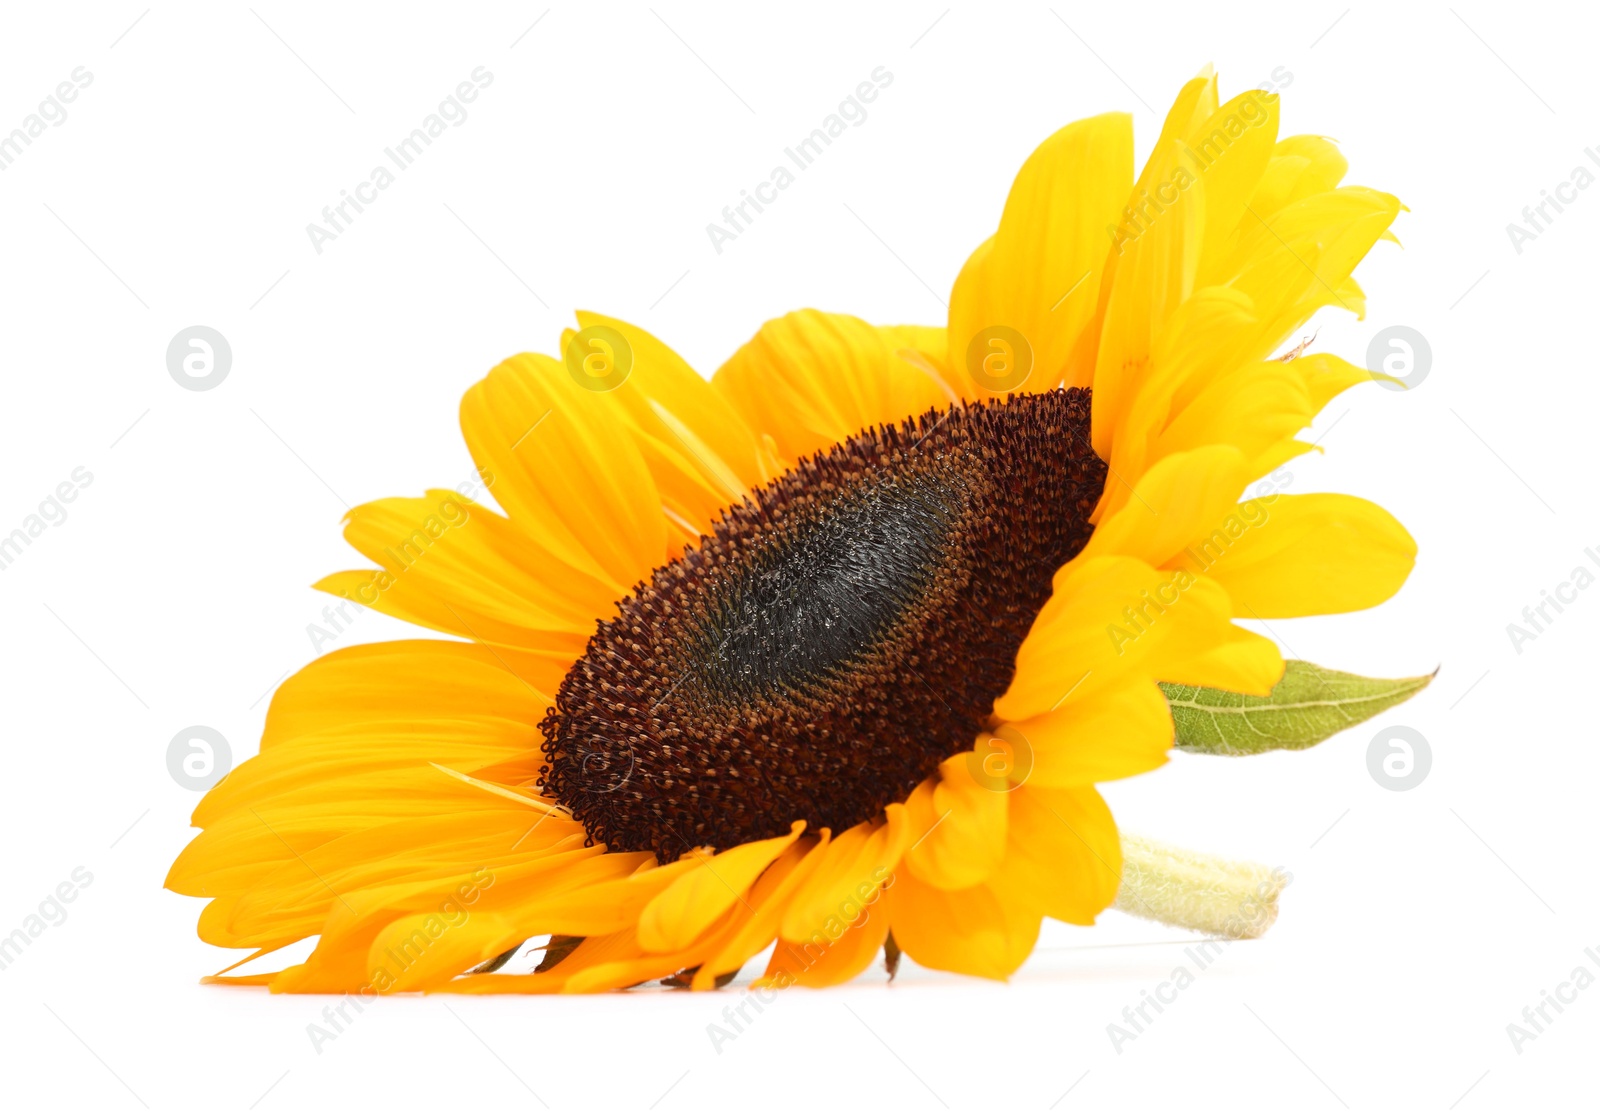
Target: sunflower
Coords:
[[832, 650]]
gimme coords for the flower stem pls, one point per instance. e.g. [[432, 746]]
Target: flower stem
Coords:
[[1236, 900]]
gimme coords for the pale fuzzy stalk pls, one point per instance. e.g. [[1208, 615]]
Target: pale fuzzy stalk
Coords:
[[1223, 897]]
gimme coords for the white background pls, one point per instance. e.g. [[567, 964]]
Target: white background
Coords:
[[175, 593]]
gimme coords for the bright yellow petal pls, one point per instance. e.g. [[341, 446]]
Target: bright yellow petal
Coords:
[[1155, 273], [768, 901], [856, 863], [1299, 260], [449, 931], [957, 826], [684, 910], [972, 932], [561, 462], [371, 709], [453, 565], [830, 958], [1181, 498], [1231, 150], [812, 379], [1111, 619], [1255, 408], [700, 452], [1319, 553], [1233, 659], [1104, 737], [1040, 274], [1063, 855]]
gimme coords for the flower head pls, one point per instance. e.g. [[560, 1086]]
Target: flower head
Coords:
[[840, 642]]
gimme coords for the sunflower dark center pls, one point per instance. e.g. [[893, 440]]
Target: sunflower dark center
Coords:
[[833, 639]]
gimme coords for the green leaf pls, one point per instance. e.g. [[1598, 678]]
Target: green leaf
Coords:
[[1307, 705]]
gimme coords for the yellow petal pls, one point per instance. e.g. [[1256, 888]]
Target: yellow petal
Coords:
[[1182, 497], [852, 869], [1110, 619], [1300, 259], [812, 379], [1318, 553], [957, 827], [972, 932], [832, 957], [1158, 262], [1254, 408], [393, 705], [1040, 274], [688, 907], [1231, 150], [1204, 336], [562, 463], [1105, 737], [601, 909], [1234, 660], [453, 565], [1063, 855], [1300, 167], [443, 935], [700, 452], [769, 900], [1196, 103]]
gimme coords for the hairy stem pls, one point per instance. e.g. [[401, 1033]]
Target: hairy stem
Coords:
[[1224, 897]]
